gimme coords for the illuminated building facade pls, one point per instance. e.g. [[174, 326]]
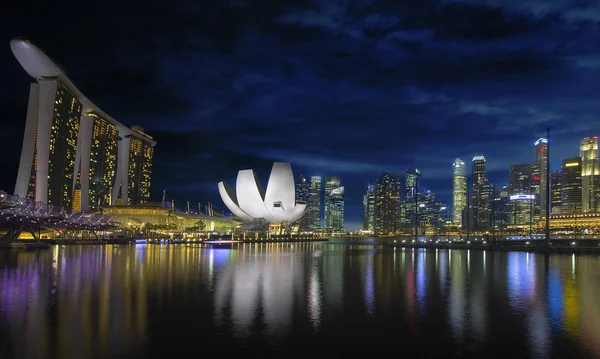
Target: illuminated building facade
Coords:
[[412, 183], [590, 175], [334, 204], [275, 205], [140, 168], [314, 203], [480, 204], [103, 161], [571, 186], [459, 191], [387, 204], [540, 171], [556, 189], [73, 152], [369, 209], [303, 195], [521, 194]]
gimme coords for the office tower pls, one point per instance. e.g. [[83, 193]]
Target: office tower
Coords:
[[432, 214], [314, 203], [387, 204], [520, 179], [521, 194], [73, 153], [334, 205], [303, 195], [590, 174], [540, 170], [411, 183], [502, 208], [479, 194], [571, 186], [459, 191], [556, 189], [369, 208]]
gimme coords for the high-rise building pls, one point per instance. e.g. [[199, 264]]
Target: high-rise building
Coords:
[[571, 186], [590, 175], [459, 191], [303, 195], [521, 194], [556, 190], [541, 167], [411, 183], [387, 204], [314, 203], [73, 153], [519, 179], [479, 195], [334, 205], [369, 208]]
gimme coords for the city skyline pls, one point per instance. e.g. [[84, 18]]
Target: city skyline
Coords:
[[379, 100]]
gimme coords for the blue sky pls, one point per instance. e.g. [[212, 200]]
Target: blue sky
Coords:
[[345, 88]]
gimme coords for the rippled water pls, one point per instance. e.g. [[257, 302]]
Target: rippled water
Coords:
[[304, 300]]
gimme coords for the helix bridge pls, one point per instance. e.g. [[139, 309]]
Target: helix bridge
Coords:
[[18, 215]]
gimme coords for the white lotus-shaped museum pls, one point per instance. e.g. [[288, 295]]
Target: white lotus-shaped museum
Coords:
[[276, 204]]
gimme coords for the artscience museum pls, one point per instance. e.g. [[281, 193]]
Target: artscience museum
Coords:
[[261, 208]]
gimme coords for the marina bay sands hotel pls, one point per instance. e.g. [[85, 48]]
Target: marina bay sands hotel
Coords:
[[75, 155]]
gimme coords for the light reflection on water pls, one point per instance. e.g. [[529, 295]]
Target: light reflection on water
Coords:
[[145, 301]]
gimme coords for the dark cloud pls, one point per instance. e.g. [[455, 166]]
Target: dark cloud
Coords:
[[338, 87]]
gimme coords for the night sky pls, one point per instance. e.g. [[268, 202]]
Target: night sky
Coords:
[[346, 88]]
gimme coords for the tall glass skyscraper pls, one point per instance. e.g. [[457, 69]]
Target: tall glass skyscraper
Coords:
[[590, 174], [314, 203], [303, 195], [521, 194], [387, 204], [334, 204], [571, 186], [540, 169], [369, 208], [479, 194], [459, 191]]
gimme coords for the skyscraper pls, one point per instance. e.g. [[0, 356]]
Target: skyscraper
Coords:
[[521, 194], [590, 174], [73, 153], [459, 191], [541, 166], [479, 194], [314, 203], [411, 189], [334, 204], [369, 208], [411, 183], [571, 186], [303, 195], [556, 190], [387, 204]]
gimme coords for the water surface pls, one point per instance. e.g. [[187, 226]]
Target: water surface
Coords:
[[334, 299]]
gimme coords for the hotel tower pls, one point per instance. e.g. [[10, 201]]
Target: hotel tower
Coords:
[[74, 155]]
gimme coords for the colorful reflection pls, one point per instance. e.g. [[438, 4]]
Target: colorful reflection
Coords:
[[134, 301]]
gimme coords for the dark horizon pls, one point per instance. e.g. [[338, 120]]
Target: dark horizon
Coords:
[[336, 89]]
